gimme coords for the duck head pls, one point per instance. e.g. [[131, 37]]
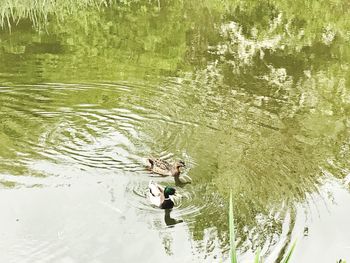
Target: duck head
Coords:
[[175, 171], [168, 190], [179, 164]]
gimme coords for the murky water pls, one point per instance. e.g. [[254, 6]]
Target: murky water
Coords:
[[255, 99]]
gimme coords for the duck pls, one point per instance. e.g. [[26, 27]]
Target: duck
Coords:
[[161, 197], [164, 168]]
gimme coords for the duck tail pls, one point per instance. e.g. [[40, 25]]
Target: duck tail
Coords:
[[151, 162], [153, 188]]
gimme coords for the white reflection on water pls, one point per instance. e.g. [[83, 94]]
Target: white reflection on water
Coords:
[[82, 216]]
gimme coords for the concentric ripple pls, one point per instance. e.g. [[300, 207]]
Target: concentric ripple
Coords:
[[108, 126], [185, 200], [230, 140]]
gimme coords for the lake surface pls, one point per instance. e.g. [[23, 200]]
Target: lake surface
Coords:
[[255, 98]]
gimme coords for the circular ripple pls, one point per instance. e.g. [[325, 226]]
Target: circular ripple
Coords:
[[184, 209]]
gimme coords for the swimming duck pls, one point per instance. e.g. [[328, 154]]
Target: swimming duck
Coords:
[[160, 196], [164, 168]]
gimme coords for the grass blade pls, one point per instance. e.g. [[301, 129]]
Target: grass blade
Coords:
[[289, 254], [257, 256], [233, 253]]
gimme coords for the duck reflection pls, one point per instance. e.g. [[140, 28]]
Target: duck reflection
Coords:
[[182, 181], [169, 221]]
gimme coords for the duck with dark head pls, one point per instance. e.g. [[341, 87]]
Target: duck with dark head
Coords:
[[161, 197]]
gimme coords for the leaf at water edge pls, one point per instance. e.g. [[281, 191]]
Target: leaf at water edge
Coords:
[[232, 233], [289, 254], [257, 256]]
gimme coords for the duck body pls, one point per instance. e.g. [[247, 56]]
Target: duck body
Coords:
[[159, 196], [164, 168]]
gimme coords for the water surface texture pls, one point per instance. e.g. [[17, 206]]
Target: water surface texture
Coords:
[[254, 97]]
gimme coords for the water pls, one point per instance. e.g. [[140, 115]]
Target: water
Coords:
[[254, 99]]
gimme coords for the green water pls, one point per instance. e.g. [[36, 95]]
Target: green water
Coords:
[[254, 97]]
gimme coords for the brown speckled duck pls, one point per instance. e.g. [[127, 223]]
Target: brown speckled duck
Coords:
[[164, 168]]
